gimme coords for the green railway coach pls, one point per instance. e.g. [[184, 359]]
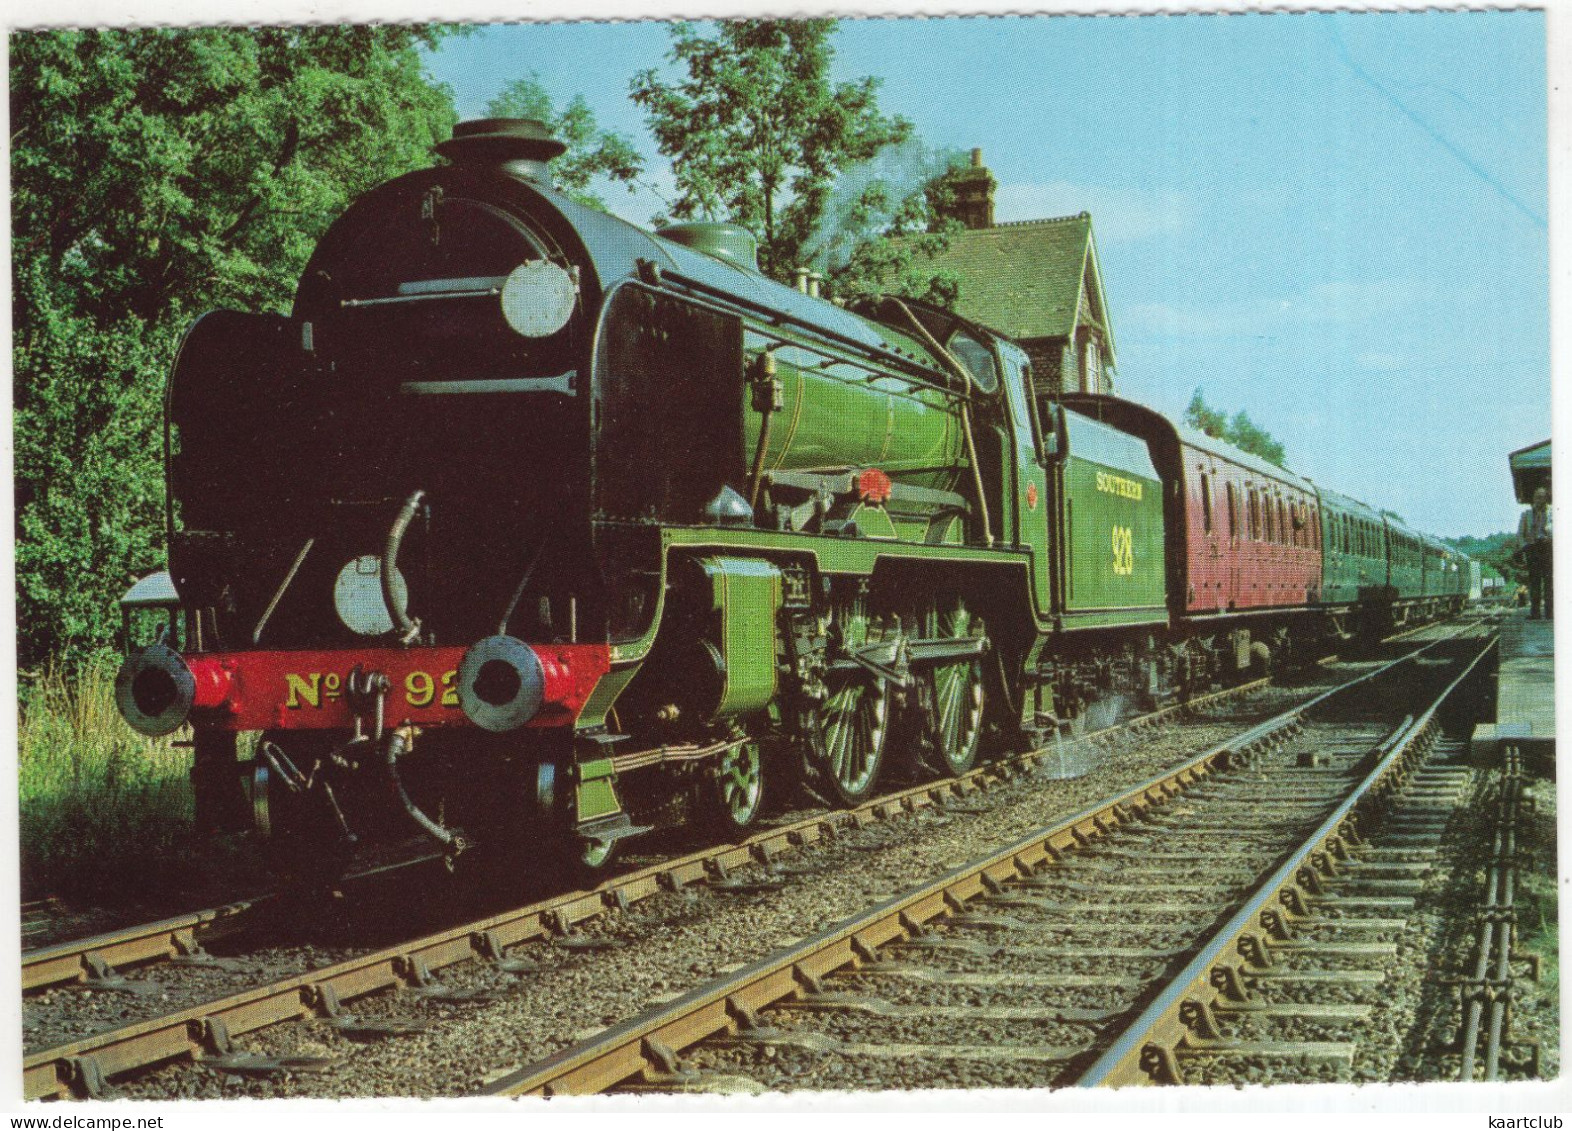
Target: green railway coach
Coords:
[[1353, 548], [1405, 559]]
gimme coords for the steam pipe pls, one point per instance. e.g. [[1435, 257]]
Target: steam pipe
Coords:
[[394, 748], [404, 625], [765, 402], [966, 417]]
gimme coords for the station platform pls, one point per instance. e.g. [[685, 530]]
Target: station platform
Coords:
[[1525, 707]]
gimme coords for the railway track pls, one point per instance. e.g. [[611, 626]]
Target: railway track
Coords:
[[1090, 951], [101, 960], [207, 1030]]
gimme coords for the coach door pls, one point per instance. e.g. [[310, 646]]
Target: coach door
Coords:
[[1209, 531], [1235, 543]]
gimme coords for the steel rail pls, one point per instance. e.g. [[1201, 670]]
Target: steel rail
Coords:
[[647, 1045], [1148, 1050], [83, 1066], [81, 961]]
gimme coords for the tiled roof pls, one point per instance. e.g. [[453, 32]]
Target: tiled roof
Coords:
[[1023, 278]]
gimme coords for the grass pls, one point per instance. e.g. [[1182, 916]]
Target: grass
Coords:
[[98, 800]]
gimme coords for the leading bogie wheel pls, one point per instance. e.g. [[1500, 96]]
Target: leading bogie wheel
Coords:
[[595, 857], [304, 843], [732, 792]]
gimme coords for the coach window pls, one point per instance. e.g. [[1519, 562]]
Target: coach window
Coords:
[[1206, 502], [1233, 512], [1284, 531]]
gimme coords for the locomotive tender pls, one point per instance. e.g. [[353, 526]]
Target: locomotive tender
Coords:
[[530, 530]]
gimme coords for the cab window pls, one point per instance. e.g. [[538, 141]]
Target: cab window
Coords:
[[978, 360]]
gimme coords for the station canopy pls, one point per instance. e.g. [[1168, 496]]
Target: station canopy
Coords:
[[1530, 470]]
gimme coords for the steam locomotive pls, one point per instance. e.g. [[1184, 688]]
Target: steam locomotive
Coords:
[[530, 530]]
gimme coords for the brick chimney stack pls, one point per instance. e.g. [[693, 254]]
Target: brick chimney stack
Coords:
[[974, 188]]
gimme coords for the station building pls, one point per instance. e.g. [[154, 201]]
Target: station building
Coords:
[[1039, 281]]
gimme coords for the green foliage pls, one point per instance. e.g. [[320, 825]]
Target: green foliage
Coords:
[[94, 793], [891, 221], [757, 132], [592, 152], [89, 476], [1240, 431], [1203, 418], [1496, 553], [157, 173]]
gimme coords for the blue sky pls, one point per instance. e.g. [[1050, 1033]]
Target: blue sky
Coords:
[[1335, 222]]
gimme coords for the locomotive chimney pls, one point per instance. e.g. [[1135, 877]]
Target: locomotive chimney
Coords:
[[521, 146]]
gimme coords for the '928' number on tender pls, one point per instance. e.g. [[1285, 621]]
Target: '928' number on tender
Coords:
[[1123, 551], [420, 689]]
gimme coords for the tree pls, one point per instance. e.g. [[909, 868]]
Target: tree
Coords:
[[1203, 418], [592, 152], [1244, 434], [1240, 431], [757, 133], [890, 223], [156, 173], [1498, 552]]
